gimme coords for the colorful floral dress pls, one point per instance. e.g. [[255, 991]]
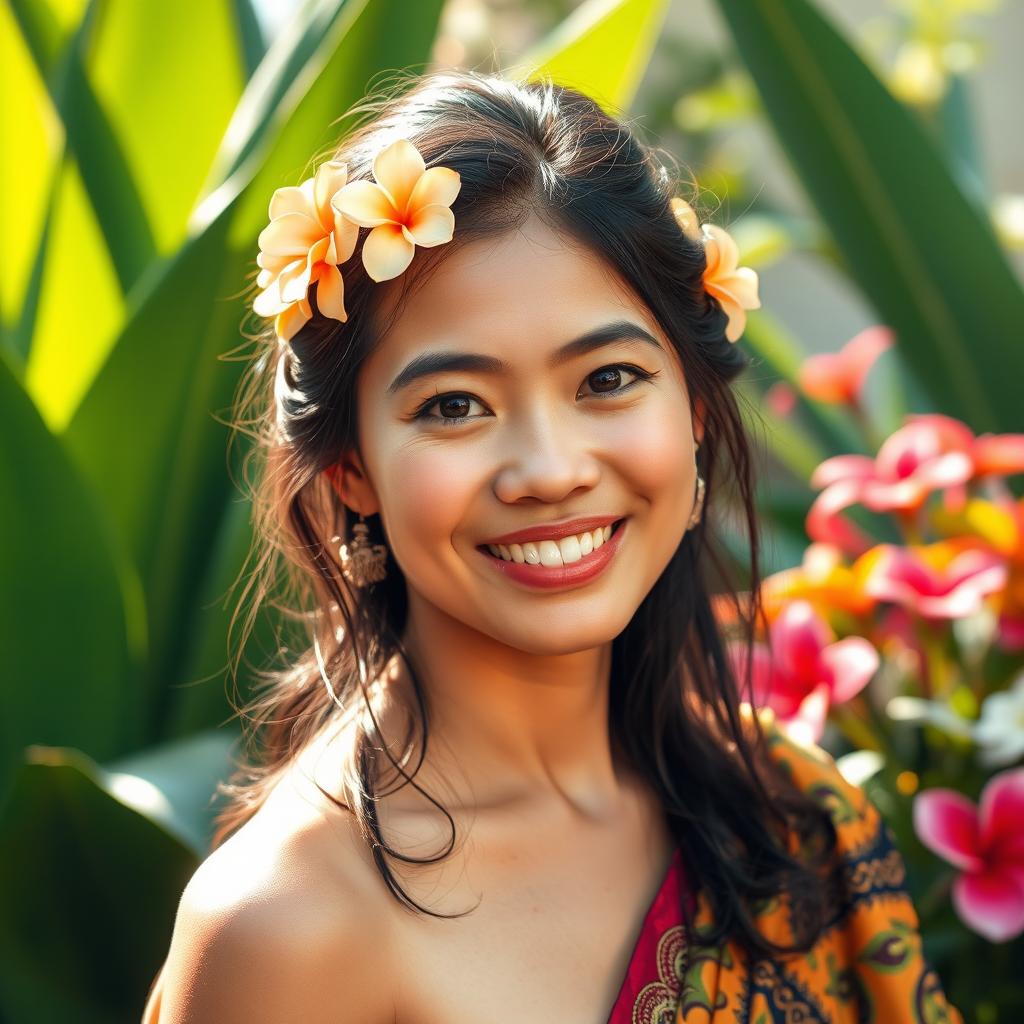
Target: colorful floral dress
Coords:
[[867, 966]]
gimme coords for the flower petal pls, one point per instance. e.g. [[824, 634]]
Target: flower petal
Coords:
[[364, 203], [437, 186], [330, 177], [843, 467], [330, 293], [397, 168], [722, 254], [998, 453], [387, 252], [290, 235], [685, 217], [851, 662], [947, 823], [991, 903], [269, 301], [825, 525], [293, 199], [292, 319], [343, 240], [1001, 816], [431, 225]]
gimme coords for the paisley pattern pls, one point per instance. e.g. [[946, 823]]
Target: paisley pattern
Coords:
[[867, 966]]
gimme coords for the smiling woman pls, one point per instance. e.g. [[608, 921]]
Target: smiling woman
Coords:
[[511, 778]]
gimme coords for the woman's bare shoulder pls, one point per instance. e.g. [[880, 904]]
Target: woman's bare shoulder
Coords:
[[283, 922]]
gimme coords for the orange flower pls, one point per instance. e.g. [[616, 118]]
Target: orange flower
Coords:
[[735, 287], [303, 244], [406, 206], [686, 218], [839, 376]]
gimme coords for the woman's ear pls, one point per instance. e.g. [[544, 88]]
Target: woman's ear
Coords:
[[698, 421], [352, 485]]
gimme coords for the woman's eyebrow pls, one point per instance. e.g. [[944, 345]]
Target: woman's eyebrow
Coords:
[[429, 363]]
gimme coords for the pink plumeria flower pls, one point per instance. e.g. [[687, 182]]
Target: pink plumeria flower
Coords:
[[804, 670], [945, 580], [926, 454], [986, 842], [839, 376]]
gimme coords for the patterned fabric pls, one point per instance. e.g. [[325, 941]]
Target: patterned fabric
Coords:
[[867, 966], [650, 990]]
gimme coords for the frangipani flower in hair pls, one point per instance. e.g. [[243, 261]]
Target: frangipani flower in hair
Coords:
[[407, 205], [735, 287], [302, 245], [314, 228]]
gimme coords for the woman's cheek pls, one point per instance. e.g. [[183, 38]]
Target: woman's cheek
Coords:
[[653, 450], [427, 495]]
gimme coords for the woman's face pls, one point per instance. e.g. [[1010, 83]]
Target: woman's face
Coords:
[[457, 457]]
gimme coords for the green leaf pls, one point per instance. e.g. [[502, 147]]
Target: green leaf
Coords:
[[71, 610], [147, 433], [922, 251], [89, 136], [168, 76], [602, 49], [87, 898], [80, 304], [174, 784], [147, 438], [29, 146], [359, 41]]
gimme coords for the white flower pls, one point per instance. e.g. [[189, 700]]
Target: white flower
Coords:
[[929, 712], [999, 730]]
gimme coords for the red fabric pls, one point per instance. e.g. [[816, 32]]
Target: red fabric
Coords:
[[651, 982]]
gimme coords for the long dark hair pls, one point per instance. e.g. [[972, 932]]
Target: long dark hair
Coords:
[[674, 703]]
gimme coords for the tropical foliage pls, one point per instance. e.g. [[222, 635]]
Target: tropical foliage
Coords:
[[136, 170]]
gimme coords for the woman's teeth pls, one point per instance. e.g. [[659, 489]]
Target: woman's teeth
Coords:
[[553, 552]]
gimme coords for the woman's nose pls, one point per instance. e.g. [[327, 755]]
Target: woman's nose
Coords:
[[542, 460]]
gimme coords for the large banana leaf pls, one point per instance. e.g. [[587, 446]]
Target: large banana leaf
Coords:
[[72, 617], [924, 253], [89, 893], [132, 113], [146, 434], [602, 49]]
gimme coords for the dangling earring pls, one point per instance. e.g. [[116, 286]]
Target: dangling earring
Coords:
[[362, 562], [698, 501]]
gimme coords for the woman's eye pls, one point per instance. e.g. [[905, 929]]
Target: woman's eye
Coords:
[[454, 406], [607, 380]]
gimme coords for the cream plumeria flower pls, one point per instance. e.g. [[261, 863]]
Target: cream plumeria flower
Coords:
[[407, 205], [999, 732], [302, 245], [735, 287]]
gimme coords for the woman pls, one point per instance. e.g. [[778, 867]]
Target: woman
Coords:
[[511, 778]]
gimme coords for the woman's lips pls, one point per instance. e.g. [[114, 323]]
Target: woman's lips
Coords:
[[549, 577]]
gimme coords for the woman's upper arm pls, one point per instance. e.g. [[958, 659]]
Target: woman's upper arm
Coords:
[[277, 956]]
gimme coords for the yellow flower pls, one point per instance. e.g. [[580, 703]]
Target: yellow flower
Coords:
[[304, 243], [734, 287], [686, 218], [407, 205]]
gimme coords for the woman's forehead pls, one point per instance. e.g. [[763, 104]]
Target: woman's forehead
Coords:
[[529, 286]]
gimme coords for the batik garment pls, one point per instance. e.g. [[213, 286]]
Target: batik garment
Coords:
[[867, 966]]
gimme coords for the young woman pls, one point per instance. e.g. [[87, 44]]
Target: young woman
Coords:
[[511, 779]]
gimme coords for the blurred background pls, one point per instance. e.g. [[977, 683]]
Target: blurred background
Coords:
[[868, 159]]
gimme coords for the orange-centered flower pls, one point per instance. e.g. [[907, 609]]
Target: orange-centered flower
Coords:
[[304, 243], [735, 287], [407, 205]]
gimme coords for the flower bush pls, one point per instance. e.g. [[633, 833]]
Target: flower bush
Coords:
[[901, 633]]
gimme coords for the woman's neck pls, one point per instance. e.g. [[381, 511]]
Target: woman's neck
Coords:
[[519, 726]]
